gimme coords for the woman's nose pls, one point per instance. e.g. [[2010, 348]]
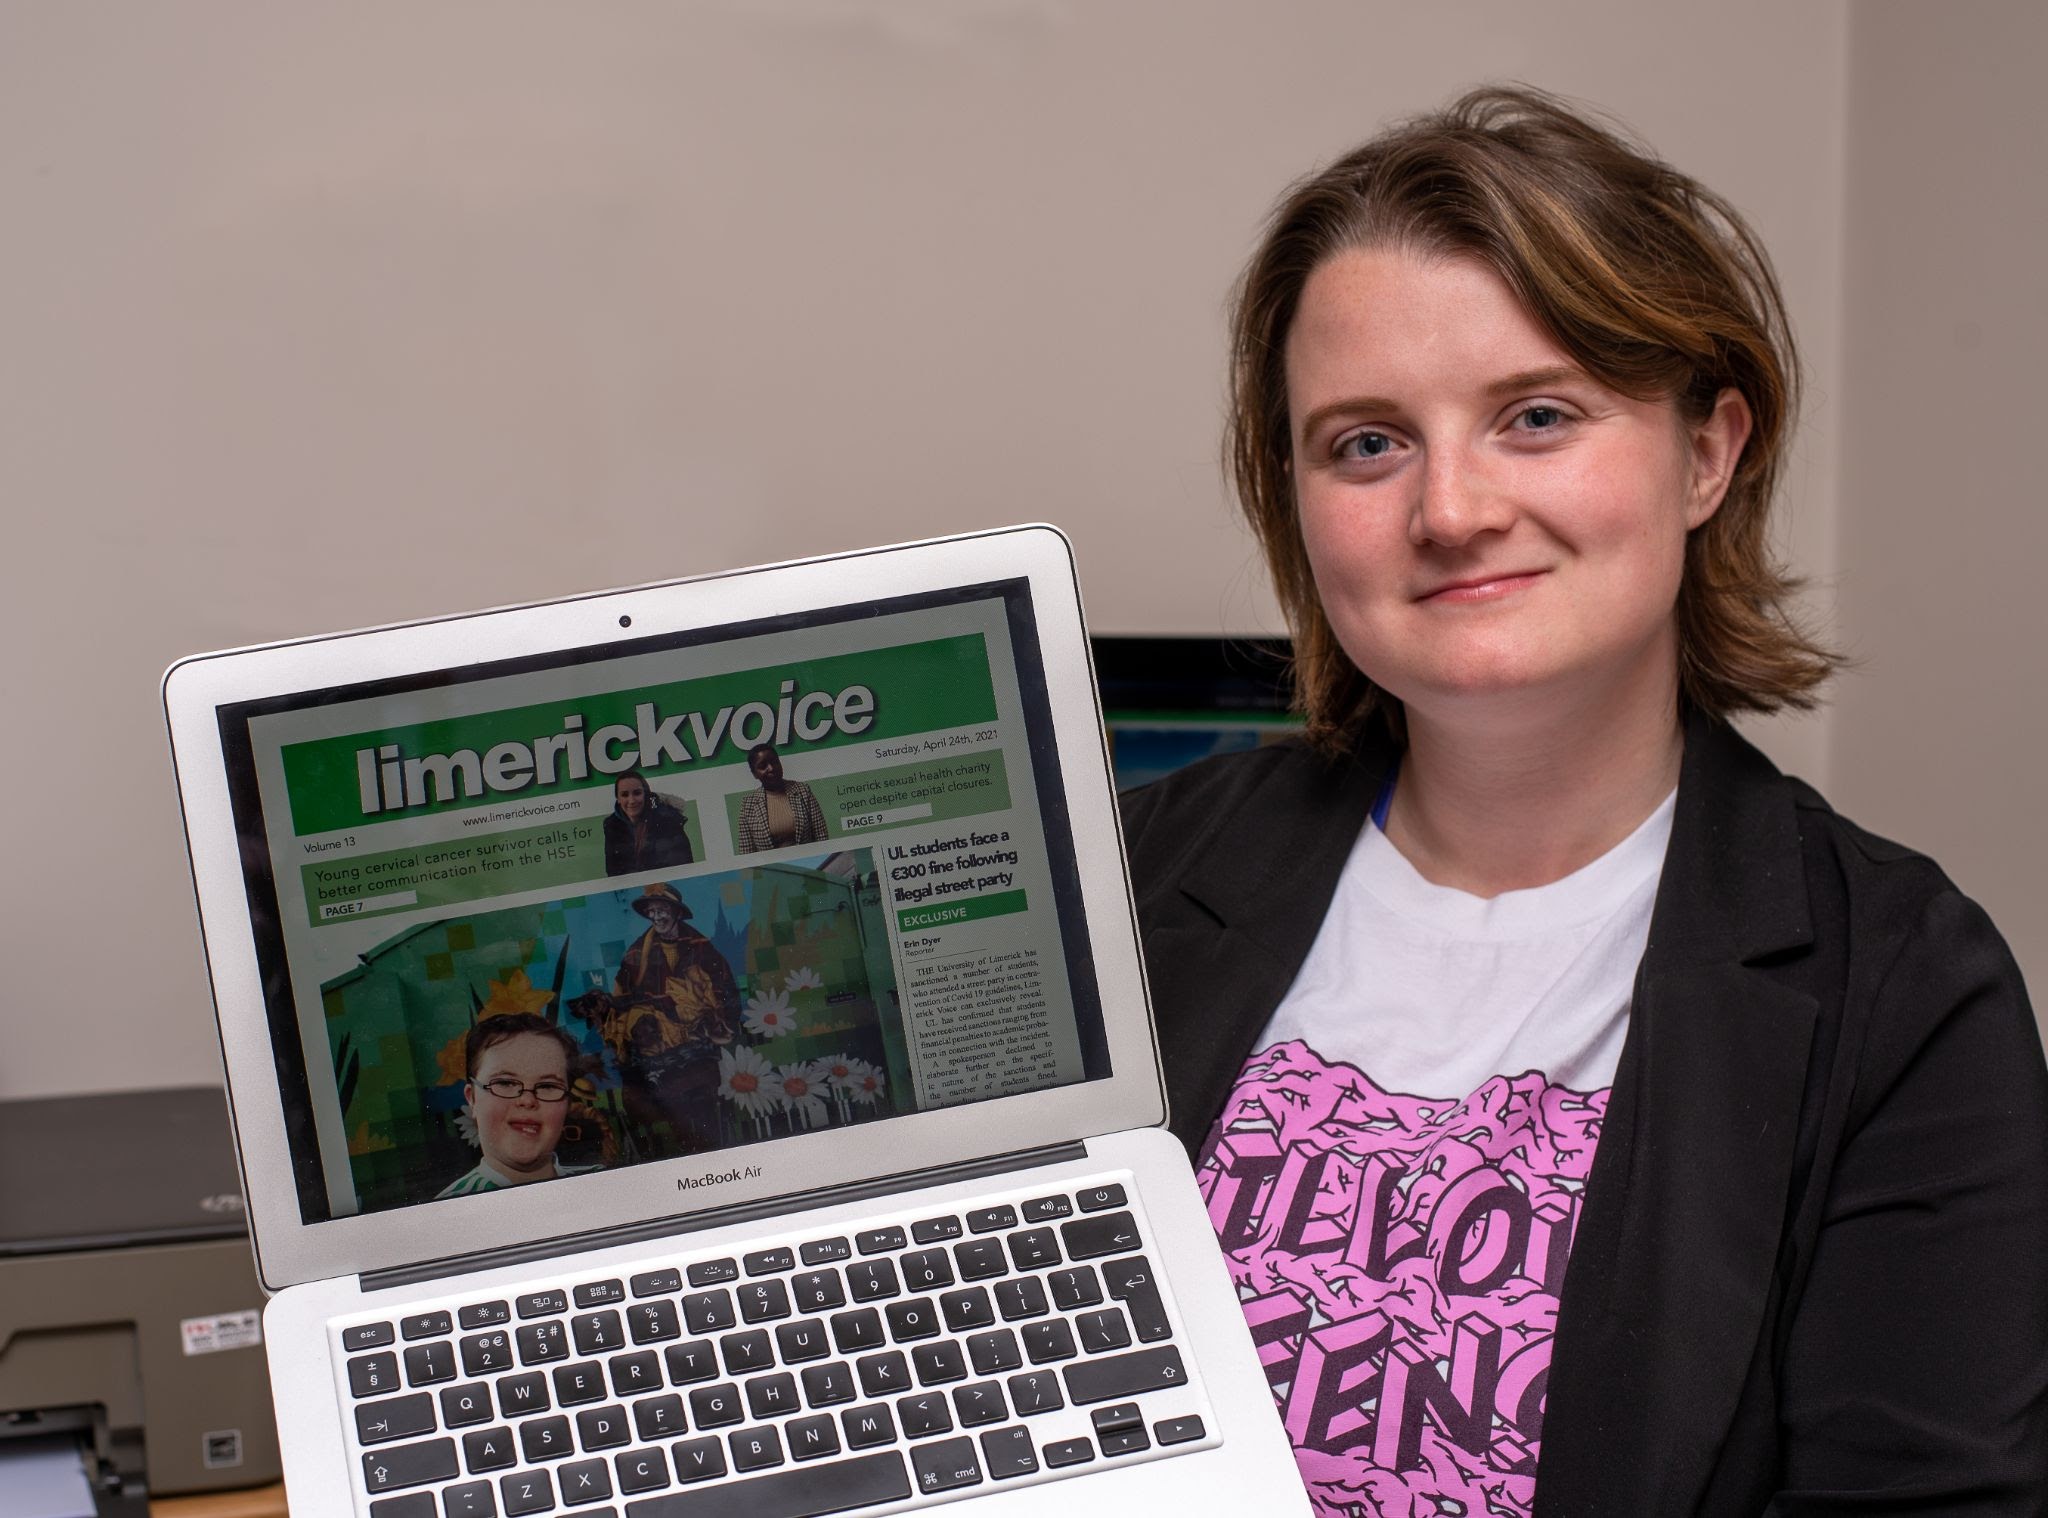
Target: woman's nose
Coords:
[[1458, 501]]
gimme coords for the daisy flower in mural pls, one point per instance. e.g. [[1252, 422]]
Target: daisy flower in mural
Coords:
[[465, 1127], [839, 1070], [803, 1091], [803, 978], [864, 1082], [748, 1081], [768, 1014]]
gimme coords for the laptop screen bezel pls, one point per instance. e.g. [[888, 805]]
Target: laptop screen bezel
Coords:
[[290, 1250]]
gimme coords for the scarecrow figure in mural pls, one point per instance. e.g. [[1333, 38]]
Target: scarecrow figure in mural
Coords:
[[673, 1006]]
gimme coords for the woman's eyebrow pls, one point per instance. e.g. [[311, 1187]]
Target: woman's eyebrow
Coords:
[[1535, 379], [1349, 406], [1508, 384]]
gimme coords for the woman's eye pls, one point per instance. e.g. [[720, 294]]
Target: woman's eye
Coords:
[[1541, 419], [1364, 445]]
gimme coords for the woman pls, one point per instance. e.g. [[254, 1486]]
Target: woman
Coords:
[[645, 831], [1595, 1122], [782, 812]]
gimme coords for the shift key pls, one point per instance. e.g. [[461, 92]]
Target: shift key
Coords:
[[386, 1470], [1117, 1376]]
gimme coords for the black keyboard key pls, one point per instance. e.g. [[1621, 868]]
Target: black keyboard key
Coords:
[[828, 1385], [635, 1375], [811, 1437], [868, 1426], [1104, 1330], [1022, 1297], [802, 1340], [825, 1251], [764, 1301], [598, 1333], [716, 1406], [1101, 1198], [473, 1499], [872, 1280], [1117, 1418], [923, 1416], [967, 1309], [1129, 1442], [817, 1291], [1091, 1238], [1034, 1249], [429, 1364], [464, 1405], [1134, 1283], [1075, 1289], [1035, 1391], [484, 1315], [542, 1304], [585, 1481], [913, 1318], [979, 1403], [1068, 1452], [857, 1330], [802, 1491], [527, 1492], [1047, 1208], [1125, 1375], [367, 1336], [714, 1272], [401, 1465], [1047, 1342], [772, 1396], [488, 1449], [541, 1343], [482, 1354], [427, 1325], [768, 1262], [698, 1460], [523, 1394], [603, 1427], [657, 1418], [880, 1240], [693, 1361], [1007, 1452], [411, 1505], [640, 1470], [374, 1375], [746, 1352], [709, 1312], [946, 1466], [927, 1270], [579, 1383], [1178, 1430], [543, 1439], [994, 1353], [600, 1293], [394, 1418], [883, 1374], [657, 1283], [935, 1230], [939, 1362], [653, 1322], [981, 1258], [989, 1219], [754, 1449]]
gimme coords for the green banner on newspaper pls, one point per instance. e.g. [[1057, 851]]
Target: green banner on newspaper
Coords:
[[557, 747]]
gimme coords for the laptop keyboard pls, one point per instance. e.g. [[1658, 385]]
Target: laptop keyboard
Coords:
[[1020, 1340]]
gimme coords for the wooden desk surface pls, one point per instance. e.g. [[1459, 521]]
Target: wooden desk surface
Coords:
[[249, 1502]]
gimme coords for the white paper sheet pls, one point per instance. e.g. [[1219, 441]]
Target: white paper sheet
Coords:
[[44, 1478]]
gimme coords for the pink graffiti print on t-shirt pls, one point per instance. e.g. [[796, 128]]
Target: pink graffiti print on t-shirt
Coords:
[[1399, 1260]]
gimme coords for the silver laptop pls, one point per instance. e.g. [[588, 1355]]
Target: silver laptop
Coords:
[[689, 1054]]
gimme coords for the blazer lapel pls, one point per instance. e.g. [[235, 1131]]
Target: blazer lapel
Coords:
[[1673, 1260]]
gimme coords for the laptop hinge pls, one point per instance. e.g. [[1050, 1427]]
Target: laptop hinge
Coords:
[[676, 1227]]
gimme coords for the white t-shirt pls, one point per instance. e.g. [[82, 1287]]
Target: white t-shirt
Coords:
[[1396, 1176]]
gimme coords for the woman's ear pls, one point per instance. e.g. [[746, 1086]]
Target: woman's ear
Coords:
[[1716, 448]]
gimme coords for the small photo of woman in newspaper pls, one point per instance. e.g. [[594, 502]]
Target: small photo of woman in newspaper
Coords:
[[782, 812]]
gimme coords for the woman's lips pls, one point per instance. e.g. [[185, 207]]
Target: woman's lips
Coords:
[[1482, 587]]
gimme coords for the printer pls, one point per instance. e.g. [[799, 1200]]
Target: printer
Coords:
[[131, 1353]]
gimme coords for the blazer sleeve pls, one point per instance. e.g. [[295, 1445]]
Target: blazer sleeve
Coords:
[[1915, 1369]]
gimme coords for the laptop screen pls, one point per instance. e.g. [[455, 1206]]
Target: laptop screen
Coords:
[[532, 919]]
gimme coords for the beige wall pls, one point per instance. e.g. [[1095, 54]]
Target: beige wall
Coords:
[[322, 316]]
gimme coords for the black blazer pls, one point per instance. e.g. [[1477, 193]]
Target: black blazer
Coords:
[[1811, 1267]]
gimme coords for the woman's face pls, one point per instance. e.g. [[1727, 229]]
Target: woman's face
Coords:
[[1488, 526], [632, 798]]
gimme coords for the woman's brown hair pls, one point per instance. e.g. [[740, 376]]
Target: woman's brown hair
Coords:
[[1647, 279]]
